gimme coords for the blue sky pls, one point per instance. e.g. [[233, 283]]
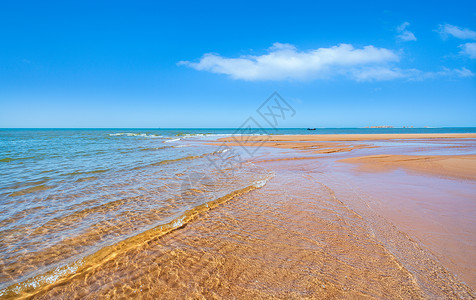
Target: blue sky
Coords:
[[211, 64]]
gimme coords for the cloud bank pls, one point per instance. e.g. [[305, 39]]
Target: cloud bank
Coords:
[[404, 34], [285, 62]]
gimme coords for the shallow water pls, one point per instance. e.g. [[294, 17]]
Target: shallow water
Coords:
[[91, 213], [294, 238], [67, 195]]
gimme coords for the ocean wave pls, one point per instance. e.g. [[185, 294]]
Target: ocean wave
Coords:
[[136, 134], [190, 135], [9, 159], [172, 140], [30, 190], [86, 172], [61, 274], [155, 148], [169, 161], [87, 179]]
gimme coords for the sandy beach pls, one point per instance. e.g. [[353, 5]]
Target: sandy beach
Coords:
[[348, 137], [354, 216], [413, 161], [251, 150], [461, 166]]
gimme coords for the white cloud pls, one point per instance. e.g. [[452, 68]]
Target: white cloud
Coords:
[[407, 36], [404, 34], [384, 73], [284, 61], [469, 49], [463, 72], [460, 33], [446, 72]]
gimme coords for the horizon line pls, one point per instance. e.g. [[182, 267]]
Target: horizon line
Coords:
[[270, 128]]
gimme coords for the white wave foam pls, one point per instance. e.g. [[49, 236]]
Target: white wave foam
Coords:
[[262, 182], [172, 140], [136, 134], [191, 135]]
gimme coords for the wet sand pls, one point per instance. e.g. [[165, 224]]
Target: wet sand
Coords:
[[445, 221], [332, 143], [349, 137], [461, 166], [292, 239], [322, 227]]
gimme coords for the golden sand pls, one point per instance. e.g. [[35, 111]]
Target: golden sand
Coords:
[[351, 137], [319, 229], [293, 238], [460, 166]]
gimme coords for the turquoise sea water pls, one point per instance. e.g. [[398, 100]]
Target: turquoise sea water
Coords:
[[66, 194]]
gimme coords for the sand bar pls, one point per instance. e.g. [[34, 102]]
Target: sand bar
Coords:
[[349, 137], [459, 166]]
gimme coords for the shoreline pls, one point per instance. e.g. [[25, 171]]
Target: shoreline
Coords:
[[458, 166], [322, 226], [349, 137], [413, 159], [318, 228]]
